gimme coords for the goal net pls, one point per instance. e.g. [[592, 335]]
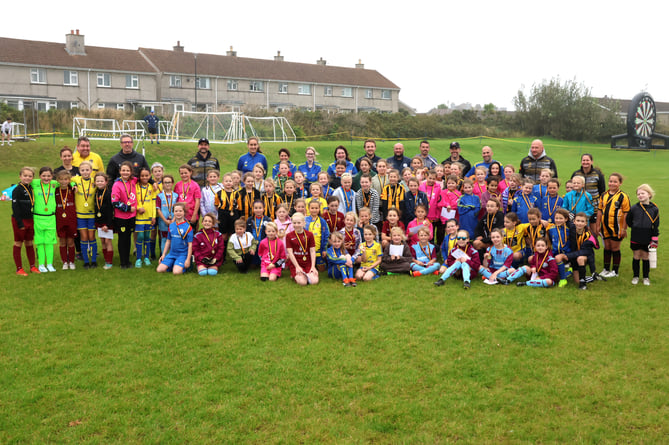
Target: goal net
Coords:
[[105, 128], [227, 127]]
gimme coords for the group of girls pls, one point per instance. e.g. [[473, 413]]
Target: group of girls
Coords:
[[362, 225]]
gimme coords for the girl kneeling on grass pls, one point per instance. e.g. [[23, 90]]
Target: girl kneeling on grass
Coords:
[[208, 247], [179, 244], [272, 254], [462, 260], [496, 260], [425, 254], [371, 255], [301, 253], [397, 254], [541, 268], [340, 264]]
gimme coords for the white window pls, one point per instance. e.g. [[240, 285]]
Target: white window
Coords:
[[203, 83], [132, 81], [101, 106], [37, 75], [327, 91], [347, 92], [304, 89], [232, 85], [120, 107], [175, 81], [368, 94], [283, 88], [70, 78], [256, 85], [74, 105], [104, 80], [385, 94]]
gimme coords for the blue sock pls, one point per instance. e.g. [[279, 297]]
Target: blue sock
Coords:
[[212, 272], [451, 270], [562, 271], [147, 248], [517, 274], [203, 273], [537, 283], [485, 272], [84, 251], [466, 272], [94, 250]]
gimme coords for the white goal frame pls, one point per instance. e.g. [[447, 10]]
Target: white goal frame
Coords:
[[227, 127]]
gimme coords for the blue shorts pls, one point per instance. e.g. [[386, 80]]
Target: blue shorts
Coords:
[[85, 223], [143, 227], [178, 259], [375, 271]]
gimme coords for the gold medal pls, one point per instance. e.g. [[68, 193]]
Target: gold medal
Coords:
[[64, 215], [85, 204], [213, 251], [304, 258], [232, 213], [99, 215], [46, 209], [128, 202]]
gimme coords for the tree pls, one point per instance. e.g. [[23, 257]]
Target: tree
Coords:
[[562, 110]]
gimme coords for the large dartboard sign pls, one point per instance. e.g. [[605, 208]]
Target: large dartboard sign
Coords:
[[641, 116]]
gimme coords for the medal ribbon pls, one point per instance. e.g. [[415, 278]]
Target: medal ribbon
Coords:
[[63, 202], [45, 196]]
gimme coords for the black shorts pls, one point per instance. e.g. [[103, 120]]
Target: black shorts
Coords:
[[6, 131], [614, 238], [637, 246], [153, 130]]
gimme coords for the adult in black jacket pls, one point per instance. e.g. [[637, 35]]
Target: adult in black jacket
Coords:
[[203, 162], [127, 153]]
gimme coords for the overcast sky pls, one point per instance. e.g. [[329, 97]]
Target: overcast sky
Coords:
[[436, 52]]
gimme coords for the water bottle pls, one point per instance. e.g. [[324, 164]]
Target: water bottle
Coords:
[[652, 257]]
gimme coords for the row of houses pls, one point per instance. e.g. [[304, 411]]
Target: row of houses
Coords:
[[47, 75]]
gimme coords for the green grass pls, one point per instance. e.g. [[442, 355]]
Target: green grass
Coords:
[[133, 357]]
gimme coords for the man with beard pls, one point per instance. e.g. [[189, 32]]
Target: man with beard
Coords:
[[203, 162]]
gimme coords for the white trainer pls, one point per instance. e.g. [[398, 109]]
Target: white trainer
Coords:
[[646, 282], [72, 266], [635, 280]]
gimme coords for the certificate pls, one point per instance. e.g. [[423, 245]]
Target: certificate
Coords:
[[447, 214], [396, 250]]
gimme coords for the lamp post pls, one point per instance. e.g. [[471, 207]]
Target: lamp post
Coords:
[[196, 82]]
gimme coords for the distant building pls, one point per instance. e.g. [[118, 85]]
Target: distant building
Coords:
[[46, 75], [621, 106]]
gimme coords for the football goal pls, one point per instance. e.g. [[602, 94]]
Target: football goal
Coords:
[[105, 128], [227, 127]]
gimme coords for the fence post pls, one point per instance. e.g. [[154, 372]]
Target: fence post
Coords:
[[54, 134]]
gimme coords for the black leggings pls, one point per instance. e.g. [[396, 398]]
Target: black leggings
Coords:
[[124, 229]]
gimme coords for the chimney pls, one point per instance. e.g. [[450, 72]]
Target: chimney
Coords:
[[178, 48], [360, 64], [74, 44], [278, 57], [231, 52], [321, 62]]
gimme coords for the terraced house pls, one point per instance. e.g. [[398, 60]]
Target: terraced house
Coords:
[[46, 75]]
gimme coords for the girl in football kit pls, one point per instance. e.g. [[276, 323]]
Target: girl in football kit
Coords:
[[44, 217], [23, 200]]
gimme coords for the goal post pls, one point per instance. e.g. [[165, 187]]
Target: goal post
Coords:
[[227, 127]]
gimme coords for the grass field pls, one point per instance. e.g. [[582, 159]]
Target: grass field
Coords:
[[133, 357]]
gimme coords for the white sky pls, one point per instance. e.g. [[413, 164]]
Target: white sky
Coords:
[[436, 52]]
